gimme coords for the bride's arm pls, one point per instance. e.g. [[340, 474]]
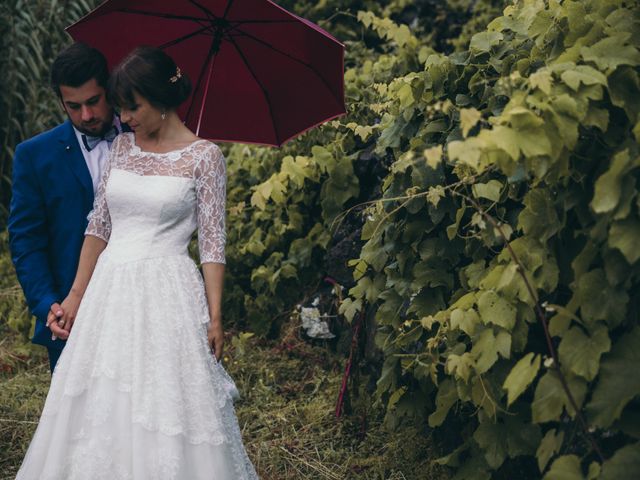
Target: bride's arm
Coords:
[[210, 175], [92, 247], [213, 274], [96, 237]]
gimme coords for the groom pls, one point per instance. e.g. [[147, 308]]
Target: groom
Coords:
[[55, 176]]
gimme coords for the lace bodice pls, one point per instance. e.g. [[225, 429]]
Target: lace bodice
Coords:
[[158, 199]]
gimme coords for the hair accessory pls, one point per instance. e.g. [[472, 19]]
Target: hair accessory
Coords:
[[178, 75]]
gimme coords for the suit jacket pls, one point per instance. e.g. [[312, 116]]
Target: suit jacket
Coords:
[[52, 196]]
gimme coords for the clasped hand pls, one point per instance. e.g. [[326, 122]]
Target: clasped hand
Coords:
[[61, 316]]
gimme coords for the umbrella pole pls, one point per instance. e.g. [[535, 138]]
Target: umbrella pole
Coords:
[[206, 91]]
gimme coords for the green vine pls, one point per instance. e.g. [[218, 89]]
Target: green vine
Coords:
[[514, 195]]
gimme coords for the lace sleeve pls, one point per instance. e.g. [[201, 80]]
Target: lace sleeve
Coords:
[[99, 218], [211, 181]]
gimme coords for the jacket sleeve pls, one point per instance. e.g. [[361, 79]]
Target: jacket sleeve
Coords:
[[28, 239]]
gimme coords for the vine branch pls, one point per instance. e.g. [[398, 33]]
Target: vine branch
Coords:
[[543, 320]]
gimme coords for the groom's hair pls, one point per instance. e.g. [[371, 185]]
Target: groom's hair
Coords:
[[76, 65]]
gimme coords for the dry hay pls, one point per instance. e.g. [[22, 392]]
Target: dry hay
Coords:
[[289, 391]]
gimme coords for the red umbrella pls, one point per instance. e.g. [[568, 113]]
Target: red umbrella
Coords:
[[261, 74]]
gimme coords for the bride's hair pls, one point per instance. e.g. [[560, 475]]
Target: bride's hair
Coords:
[[152, 74]]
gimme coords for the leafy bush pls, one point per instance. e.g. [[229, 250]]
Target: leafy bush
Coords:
[[281, 226], [502, 260]]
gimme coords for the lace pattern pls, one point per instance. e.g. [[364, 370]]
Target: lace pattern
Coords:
[[201, 161]]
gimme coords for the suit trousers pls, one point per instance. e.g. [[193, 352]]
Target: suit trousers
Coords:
[[54, 355]]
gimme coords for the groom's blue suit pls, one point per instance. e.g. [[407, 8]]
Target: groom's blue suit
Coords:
[[52, 196]]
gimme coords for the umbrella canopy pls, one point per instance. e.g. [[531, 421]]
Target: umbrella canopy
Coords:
[[261, 74]]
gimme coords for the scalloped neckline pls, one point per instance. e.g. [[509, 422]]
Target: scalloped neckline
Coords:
[[138, 150]]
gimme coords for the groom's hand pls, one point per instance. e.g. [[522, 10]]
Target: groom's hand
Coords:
[[55, 314]]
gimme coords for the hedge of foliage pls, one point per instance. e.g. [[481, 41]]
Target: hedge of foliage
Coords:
[[502, 260]]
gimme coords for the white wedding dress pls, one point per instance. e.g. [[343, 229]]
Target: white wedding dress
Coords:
[[137, 393]]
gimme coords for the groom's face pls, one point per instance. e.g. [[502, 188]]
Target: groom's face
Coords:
[[87, 107]]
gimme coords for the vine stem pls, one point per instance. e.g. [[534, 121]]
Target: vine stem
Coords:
[[543, 320], [347, 370], [340, 217]]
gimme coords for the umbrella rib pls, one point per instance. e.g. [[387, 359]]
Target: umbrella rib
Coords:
[[264, 90], [206, 11], [227, 8], [275, 49], [175, 41], [163, 15], [209, 17], [242, 22]]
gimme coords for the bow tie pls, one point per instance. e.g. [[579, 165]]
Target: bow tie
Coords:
[[90, 142]]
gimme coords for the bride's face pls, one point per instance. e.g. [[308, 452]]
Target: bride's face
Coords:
[[142, 117]]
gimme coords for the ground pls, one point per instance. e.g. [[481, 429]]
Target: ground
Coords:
[[286, 412]]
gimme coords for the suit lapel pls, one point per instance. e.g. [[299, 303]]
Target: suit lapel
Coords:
[[74, 159]]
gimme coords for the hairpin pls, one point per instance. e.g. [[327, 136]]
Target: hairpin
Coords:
[[178, 75]]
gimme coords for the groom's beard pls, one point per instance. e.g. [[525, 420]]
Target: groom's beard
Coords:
[[95, 127]]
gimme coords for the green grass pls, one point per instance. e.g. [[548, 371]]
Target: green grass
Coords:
[[286, 413], [24, 380]]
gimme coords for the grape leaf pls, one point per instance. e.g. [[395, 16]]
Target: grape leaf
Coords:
[[581, 353], [550, 399], [625, 236], [623, 465], [495, 309], [619, 381], [566, 467], [447, 396], [483, 41], [549, 446], [521, 376]]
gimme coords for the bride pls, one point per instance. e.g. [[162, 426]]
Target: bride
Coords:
[[138, 392]]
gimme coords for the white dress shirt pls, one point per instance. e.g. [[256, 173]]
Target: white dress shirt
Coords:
[[98, 156]]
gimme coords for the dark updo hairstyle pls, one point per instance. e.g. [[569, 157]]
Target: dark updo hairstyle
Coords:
[[152, 74], [76, 65]]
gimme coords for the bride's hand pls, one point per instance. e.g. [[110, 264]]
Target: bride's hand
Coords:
[[215, 337], [70, 307]]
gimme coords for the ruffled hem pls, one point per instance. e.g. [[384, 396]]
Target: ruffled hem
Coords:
[[105, 400], [71, 449]]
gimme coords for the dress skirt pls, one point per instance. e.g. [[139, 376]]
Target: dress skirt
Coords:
[[137, 393]]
